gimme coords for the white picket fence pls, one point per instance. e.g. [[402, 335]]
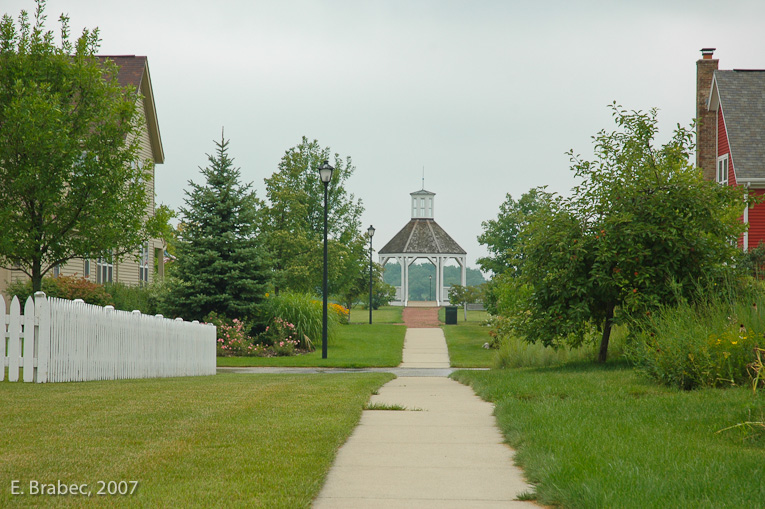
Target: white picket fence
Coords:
[[58, 340]]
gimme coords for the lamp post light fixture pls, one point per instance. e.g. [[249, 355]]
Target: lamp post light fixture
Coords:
[[430, 289], [371, 233], [325, 174]]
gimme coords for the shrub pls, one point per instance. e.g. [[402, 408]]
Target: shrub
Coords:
[[128, 298], [709, 344], [233, 340], [65, 287], [304, 312], [343, 313], [281, 337]]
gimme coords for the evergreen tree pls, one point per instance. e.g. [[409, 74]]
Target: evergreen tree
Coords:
[[220, 266]]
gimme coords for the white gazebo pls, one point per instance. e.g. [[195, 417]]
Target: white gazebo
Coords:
[[423, 238]]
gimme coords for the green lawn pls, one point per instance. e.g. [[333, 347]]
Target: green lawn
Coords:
[[224, 440], [355, 346], [590, 436], [465, 340], [386, 314], [472, 316]]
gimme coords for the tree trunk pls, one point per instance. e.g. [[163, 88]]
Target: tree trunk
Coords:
[[603, 353], [36, 275]]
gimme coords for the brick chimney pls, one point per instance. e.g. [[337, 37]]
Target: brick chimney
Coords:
[[706, 144]]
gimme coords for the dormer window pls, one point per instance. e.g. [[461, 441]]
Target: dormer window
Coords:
[[722, 170]]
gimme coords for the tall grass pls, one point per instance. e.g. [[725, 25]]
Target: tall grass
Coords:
[[515, 352], [589, 435], [305, 312], [708, 344]]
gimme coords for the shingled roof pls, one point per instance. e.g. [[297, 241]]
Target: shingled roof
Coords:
[[741, 94], [134, 70], [422, 236]]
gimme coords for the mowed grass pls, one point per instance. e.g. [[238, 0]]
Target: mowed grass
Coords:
[[218, 441], [590, 436], [385, 314], [466, 339], [354, 346]]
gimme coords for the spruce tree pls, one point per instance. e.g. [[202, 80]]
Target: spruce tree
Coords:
[[219, 265]]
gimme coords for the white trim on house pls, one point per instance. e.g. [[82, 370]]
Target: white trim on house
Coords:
[[722, 170]]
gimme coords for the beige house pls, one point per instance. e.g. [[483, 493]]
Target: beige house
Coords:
[[138, 268]]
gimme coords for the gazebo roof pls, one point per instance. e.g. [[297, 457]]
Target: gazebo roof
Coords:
[[422, 236]]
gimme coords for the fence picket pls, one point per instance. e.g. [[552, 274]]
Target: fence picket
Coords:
[[42, 335], [56, 340], [14, 341], [3, 339], [28, 350]]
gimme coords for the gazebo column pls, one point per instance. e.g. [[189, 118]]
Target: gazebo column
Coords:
[[463, 262], [406, 280], [439, 280]]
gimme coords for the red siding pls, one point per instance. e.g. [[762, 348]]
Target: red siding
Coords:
[[723, 147], [757, 221]]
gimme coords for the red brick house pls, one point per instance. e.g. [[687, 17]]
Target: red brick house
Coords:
[[730, 137]]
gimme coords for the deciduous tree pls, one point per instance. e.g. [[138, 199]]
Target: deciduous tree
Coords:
[[293, 222], [500, 235], [71, 179], [640, 231]]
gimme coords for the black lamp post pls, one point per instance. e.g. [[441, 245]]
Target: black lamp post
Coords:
[[430, 288], [325, 174], [371, 233]]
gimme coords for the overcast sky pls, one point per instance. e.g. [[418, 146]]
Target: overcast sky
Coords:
[[487, 96]]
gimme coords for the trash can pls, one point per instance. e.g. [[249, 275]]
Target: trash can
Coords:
[[451, 315]]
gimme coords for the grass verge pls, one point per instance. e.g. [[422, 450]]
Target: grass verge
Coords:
[[225, 440], [590, 436], [354, 346], [386, 314], [465, 342], [472, 315]]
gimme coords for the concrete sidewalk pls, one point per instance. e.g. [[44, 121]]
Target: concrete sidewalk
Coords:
[[443, 451]]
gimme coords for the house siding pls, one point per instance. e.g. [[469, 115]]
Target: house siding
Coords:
[[723, 147], [126, 270], [757, 221]]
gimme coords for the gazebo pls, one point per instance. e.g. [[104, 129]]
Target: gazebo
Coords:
[[422, 237]]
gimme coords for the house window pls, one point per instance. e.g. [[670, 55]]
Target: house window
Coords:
[[87, 269], [143, 268], [105, 269], [56, 271], [722, 170]]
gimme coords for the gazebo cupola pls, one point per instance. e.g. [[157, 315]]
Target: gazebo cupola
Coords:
[[422, 204], [423, 238]]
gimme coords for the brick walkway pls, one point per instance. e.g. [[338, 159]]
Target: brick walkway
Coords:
[[420, 318]]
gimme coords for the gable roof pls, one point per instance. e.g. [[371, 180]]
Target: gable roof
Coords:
[[741, 94], [134, 70], [422, 236]]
